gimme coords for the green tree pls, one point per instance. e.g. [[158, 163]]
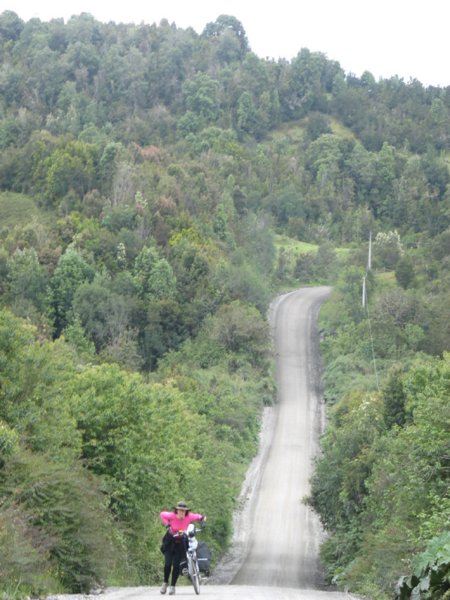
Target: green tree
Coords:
[[309, 77], [154, 275], [256, 238], [396, 510], [124, 424], [72, 270], [241, 329], [438, 121], [63, 510], [404, 272], [385, 176], [224, 220], [396, 324], [124, 350], [104, 315], [226, 28], [71, 167], [75, 336], [189, 124], [326, 261], [11, 26], [190, 263], [324, 155], [27, 280], [47, 75], [361, 165], [201, 97], [240, 281], [305, 267], [394, 398], [387, 249], [162, 282], [165, 328], [317, 125], [338, 485], [247, 121], [108, 164]]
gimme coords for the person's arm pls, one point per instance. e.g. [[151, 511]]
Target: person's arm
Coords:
[[196, 517], [165, 517]]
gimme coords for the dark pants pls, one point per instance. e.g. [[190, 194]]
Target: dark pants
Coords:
[[173, 555]]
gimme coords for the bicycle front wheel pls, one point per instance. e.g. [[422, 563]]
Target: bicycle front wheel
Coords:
[[195, 577]]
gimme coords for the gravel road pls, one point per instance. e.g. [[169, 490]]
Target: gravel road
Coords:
[[276, 534]]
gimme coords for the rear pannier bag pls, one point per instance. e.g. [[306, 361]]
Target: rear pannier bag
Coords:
[[204, 557]]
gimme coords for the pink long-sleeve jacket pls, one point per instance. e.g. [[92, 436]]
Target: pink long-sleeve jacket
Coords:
[[177, 524]]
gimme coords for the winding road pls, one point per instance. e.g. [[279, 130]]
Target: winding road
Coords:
[[274, 553]]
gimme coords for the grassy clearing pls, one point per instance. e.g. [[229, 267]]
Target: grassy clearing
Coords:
[[293, 132], [295, 247], [341, 130], [16, 209], [343, 252], [386, 279], [290, 245]]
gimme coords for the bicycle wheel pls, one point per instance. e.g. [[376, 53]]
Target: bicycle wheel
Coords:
[[195, 576]]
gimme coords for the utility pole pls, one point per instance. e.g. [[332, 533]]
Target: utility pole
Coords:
[[364, 292], [364, 304], [369, 266]]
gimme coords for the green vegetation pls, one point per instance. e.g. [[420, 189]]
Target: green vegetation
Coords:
[[90, 453], [381, 484], [286, 244], [157, 188], [16, 209]]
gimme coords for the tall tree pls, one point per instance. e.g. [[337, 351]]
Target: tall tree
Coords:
[[72, 270]]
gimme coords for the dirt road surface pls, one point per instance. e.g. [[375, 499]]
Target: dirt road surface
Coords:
[[274, 552]]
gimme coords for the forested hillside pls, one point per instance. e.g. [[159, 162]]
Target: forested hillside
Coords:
[[157, 189]]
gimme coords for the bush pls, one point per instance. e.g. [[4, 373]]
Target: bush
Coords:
[[61, 524], [431, 573]]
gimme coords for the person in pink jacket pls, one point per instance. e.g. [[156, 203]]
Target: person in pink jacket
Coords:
[[172, 546]]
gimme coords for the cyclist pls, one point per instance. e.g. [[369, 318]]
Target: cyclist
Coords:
[[176, 521]]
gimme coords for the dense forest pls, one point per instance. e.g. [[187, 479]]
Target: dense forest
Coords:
[[158, 188]]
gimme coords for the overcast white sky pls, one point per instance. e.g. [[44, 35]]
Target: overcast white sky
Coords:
[[408, 38]]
